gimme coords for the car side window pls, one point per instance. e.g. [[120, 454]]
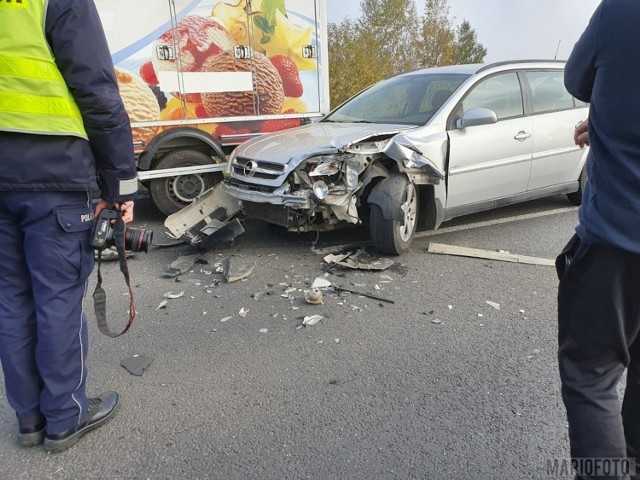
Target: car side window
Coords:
[[548, 91], [500, 93]]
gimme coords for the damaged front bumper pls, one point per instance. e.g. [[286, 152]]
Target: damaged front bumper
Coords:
[[300, 200]]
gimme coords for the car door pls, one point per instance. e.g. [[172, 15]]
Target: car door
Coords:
[[490, 162], [555, 113]]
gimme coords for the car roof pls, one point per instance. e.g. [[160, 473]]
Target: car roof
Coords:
[[474, 68]]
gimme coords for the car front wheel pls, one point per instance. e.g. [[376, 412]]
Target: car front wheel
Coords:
[[393, 223]]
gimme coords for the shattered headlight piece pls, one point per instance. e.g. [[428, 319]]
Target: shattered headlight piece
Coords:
[[326, 167]]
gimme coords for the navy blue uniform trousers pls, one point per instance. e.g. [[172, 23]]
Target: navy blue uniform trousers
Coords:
[[45, 261], [599, 336]]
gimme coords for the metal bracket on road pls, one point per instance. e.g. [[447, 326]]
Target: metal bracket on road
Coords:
[[174, 172]]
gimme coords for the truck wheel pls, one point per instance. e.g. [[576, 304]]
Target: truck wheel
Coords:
[[393, 224], [172, 194], [576, 197]]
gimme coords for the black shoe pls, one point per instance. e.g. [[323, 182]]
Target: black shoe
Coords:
[[31, 436], [100, 410]]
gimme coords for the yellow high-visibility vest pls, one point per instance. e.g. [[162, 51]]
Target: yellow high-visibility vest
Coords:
[[34, 97]]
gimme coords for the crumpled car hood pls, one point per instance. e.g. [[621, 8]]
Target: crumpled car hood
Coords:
[[294, 146]]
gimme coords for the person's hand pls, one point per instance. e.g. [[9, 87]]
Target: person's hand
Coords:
[[125, 207], [581, 134], [127, 210]]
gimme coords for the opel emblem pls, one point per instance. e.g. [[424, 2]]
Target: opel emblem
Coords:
[[250, 169]]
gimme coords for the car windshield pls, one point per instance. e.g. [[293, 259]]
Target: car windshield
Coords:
[[403, 100]]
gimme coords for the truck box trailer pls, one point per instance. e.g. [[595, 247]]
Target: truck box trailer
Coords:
[[198, 77]]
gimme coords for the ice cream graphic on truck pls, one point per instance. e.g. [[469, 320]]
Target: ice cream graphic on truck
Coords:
[[198, 77]]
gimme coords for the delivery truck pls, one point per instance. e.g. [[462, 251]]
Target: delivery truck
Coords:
[[198, 77]]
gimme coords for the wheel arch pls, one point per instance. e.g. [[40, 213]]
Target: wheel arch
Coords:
[[179, 138]]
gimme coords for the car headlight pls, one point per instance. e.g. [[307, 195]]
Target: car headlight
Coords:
[[325, 168], [351, 178], [320, 190]]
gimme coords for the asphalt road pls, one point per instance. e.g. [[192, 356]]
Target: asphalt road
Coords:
[[438, 385]]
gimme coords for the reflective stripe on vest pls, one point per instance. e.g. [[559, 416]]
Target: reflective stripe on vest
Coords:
[[34, 97]]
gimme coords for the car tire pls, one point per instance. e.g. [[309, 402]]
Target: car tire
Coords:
[[172, 194], [576, 197], [392, 231]]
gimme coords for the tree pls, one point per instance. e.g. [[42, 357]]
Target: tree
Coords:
[[389, 28], [390, 38], [467, 49], [378, 45], [436, 43]]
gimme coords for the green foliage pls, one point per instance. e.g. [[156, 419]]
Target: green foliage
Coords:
[[467, 49], [266, 21], [390, 37]]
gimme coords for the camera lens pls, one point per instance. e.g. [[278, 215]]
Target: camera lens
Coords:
[[138, 239]]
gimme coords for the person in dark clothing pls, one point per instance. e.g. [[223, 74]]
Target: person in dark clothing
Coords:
[[64, 133], [599, 269]]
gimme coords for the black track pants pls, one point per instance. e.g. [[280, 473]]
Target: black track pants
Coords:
[[599, 322]]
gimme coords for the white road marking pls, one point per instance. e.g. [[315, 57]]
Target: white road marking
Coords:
[[489, 223]]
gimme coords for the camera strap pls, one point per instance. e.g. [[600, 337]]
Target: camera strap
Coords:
[[100, 296]]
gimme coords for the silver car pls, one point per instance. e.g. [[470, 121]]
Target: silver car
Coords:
[[418, 149]]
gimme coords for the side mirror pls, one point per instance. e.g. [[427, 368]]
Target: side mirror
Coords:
[[477, 116]]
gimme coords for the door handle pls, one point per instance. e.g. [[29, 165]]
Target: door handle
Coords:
[[522, 136]]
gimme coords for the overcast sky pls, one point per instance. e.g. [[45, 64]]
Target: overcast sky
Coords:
[[509, 29]]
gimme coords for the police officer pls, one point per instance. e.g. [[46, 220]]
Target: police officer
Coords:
[[63, 133]]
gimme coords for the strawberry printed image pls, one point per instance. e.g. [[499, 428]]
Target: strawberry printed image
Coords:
[[281, 124], [148, 74], [197, 39], [290, 76]]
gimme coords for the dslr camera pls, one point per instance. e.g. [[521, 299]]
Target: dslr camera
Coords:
[[135, 239]]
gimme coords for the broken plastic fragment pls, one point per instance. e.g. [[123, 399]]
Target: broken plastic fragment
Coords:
[[234, 273], [264, 330], [359, 260], [173, 295], [436, 321], [493, 304], [321, 283], [180, 265], [163, 304], [243, 312], [312, 320], [137, 364], [226, 319]]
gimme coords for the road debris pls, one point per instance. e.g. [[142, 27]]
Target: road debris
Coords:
[[173, 296], [493, 304], [137, 364], [208, 221], [180, 265], [264, 330], [321, 283], [311, 320], [243, 312], [163, 304], [436, 321], [339, 290], [359, 260], [225, 319], [234, 273], [487, 254], [313, 296]]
